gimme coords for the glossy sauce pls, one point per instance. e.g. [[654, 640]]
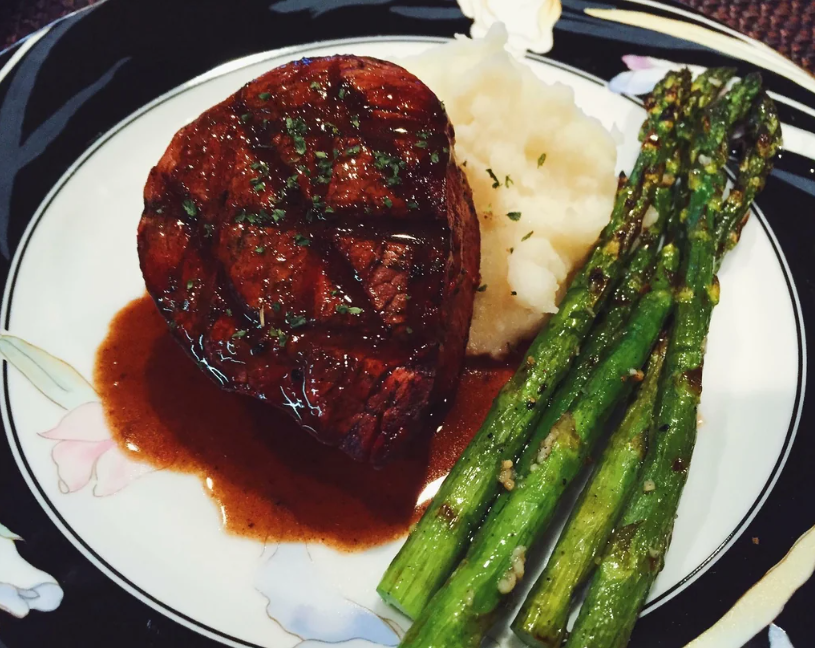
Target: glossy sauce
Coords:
[[270, 479]]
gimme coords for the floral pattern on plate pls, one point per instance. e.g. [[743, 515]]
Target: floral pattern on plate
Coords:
[[643, 74], [23, 587], [325, 616], [85, 449]]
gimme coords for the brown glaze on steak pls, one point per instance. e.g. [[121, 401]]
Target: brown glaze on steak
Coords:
[[312, 243]]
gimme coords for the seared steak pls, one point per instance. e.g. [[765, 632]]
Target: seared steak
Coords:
[[312, 243]]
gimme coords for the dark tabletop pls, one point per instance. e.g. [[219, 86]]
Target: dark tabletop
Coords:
[[786, 25]]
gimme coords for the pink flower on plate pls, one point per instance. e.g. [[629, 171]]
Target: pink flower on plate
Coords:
[[85, 449], [643, 74]]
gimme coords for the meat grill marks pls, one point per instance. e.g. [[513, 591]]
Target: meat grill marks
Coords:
[[313, 244]]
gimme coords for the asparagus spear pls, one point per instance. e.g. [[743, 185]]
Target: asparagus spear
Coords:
[[765, 134], [438, 540], [636, 550], [668, 200], [609, 329], [464, 609], [542, 619], [705, 88]]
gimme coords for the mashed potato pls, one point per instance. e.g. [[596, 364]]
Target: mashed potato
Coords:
[[542, 175]]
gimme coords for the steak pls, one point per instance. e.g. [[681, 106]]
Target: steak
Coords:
[[312, 243]]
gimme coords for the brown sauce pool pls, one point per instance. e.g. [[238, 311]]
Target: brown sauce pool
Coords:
[[270, 480]]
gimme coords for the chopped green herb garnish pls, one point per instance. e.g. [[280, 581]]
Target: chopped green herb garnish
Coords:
[[315, 86], [541, 160], [276, 306], [190, 284], [495, 181], [229, 312], [264, 96], [238, 334], [409, 330], [258, 186], [464, 164], [384, 161], [481, 288], [245, 117], [412, 204], [240, 217], [320, 154], [508, 181], [350, 310], [301, 240], [296, 129], [388, 202], [526, 236], [295, 321], [190, 208], [511, 250], [353, 150], [260, 249], [209, 228], [334, 293], [291, 181], [421, 144], [423, 134], [280, 335], [342, 93], [355, 121], [514, 216], [325, 177], [277, 214], [434, 157]]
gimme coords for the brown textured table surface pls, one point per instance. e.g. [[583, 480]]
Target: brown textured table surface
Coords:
[[786, 25]]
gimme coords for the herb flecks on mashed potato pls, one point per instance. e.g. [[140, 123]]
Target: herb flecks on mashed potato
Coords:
[[542, 174]]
